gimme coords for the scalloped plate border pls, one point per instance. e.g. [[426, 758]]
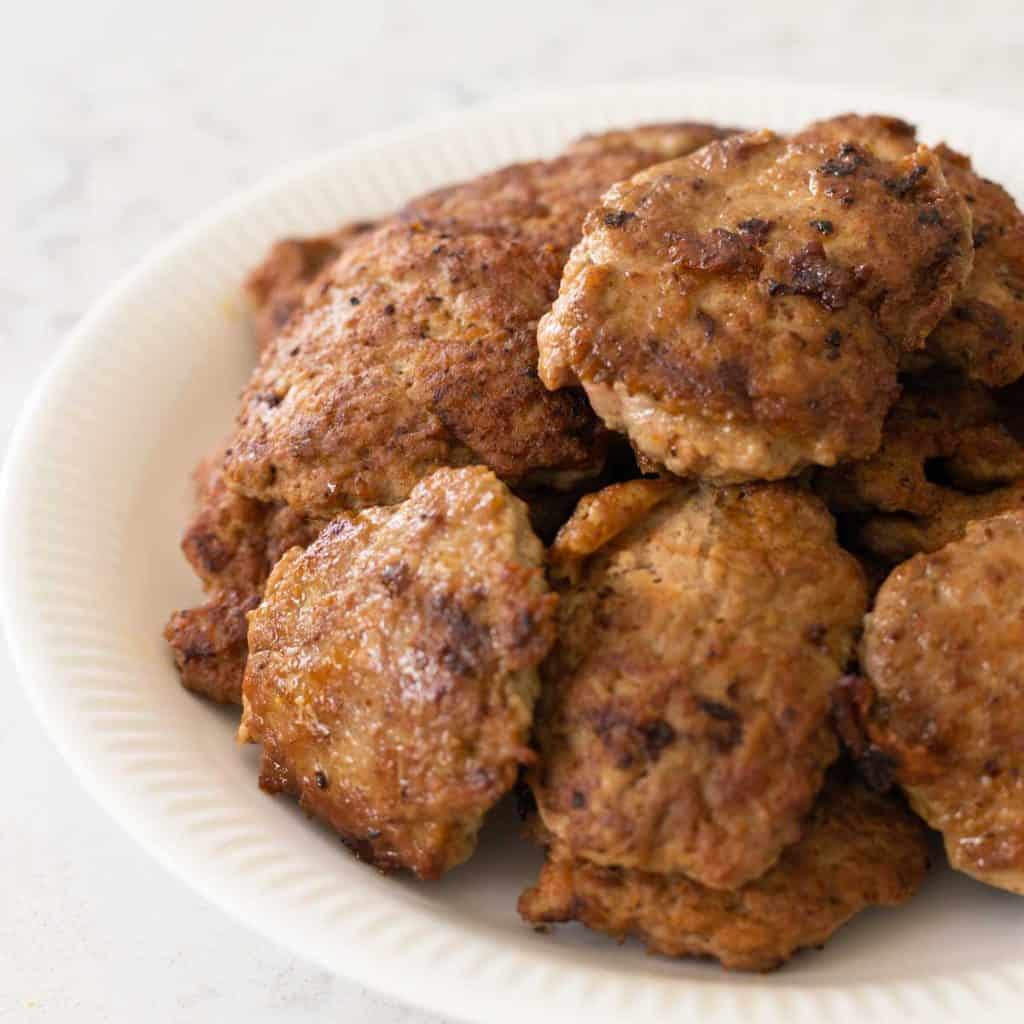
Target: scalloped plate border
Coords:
[[71, 483]]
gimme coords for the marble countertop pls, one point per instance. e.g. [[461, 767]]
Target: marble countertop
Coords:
[[123, 120]]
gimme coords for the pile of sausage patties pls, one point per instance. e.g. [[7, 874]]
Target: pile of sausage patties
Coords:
[[676, 482]]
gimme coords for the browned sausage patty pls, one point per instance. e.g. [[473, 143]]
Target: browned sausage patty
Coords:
[[683, 726], [983, 333], [393, 669], [944, 651], [858, 849], [952, 451], [740, 312]]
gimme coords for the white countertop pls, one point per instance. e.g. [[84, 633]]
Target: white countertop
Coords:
[[120, 121]]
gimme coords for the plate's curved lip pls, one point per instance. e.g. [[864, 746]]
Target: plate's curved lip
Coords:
[[415, 981]]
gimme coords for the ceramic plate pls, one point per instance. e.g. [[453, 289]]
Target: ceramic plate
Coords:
[[94, 496]]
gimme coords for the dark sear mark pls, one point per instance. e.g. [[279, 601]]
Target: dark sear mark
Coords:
[[707, 323], [198, 650], [616, 218], [578, 799], [468, 641], [734, 378], [657, 735], [395, 578], [717, 250], [607, 723], [902, 187], [812, 275], [524, 628], [321, 779], [481, 778], [715, 709], [210, 551], [756, 228], [728, 728], [456, 661], [845, 164], [982, 234], [833, 340], [943, 254], [816, 633], [987, 319], [843, 194], [823, 227], [929, 215], [361, 848]]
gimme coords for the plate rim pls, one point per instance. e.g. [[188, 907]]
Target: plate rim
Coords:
[[416, 984]]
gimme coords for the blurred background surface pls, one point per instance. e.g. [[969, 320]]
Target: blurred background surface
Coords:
[[120, 122]]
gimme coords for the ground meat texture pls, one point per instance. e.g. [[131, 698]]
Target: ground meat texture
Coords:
[[543, 203], [393, 669], [416, 346], [766, 393], [684, 722], [944, 653], [432, 365], [275, 287], [952, 451], [231, 543], [982, 335], [858, 849]]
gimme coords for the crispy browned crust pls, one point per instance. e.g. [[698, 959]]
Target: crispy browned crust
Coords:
[[952, 451], [417, 349], [944, 651], [983, 333], [658, 141], [600, 517], [209, 644], [556, 194], [858, 849], [392, 669], [419, 353], [275, 287], [543, 203], [891, 138], [232, 542], [684, 721], [740, 311]]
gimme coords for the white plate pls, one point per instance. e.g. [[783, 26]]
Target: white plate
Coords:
[[94, 496]]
